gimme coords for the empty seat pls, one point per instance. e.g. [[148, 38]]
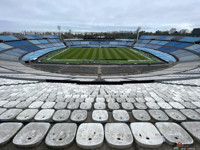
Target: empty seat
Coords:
[[121, 115], [189, 105], [44, 115], [175, 115], [79, 115], [23, 104], [73, 105], [141, 115], [11, 104], [118, 135], [152, 105], [7, 131], [60, 105], [196, 104], [10, 114], [3, 103], [61, 115], [100, 115], [158, 115], [121, 100], [99, 106], [90, 135], [2, 110], [146, 135], [127, 106], [31, 135], [110, 100], [176, 105], [140, 100], [140, 105], [164, 105], [191, 114], [86, 106], [27, 115], [113, 106], [149, 99], [80, 100], [61, 135], [130, 100], [197, 110], [100, 100], [174, 133], [193, 128], [89, 100], [36, 104], [48, 105]]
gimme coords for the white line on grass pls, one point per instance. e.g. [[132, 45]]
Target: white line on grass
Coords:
[[57, 54], [141, 54]]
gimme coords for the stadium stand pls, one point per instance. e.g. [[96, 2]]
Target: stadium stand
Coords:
[[161, 115], [164, 56], [4, 46], [167, 50], [39, 53], [18, 43], [190, 39], [100, 43], [8, 38], [34, 43], [182, 50]]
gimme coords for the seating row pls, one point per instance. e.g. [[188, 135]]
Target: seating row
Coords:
[[82, 43], [91, 135], [98, 115]]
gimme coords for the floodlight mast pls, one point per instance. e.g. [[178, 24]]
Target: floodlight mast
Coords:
[[59, 28], [138, 33]]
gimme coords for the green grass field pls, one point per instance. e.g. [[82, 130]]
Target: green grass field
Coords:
[[99, 55]]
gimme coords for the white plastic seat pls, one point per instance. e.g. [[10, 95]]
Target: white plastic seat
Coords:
[[118, 135], [90, 135], [31, 135], [146, 135], [61, 135]]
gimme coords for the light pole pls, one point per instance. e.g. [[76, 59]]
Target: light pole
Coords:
[[138, 33], [59, 28]]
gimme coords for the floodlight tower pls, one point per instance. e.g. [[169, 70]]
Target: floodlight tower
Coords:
[[59, 28], [138, 32]]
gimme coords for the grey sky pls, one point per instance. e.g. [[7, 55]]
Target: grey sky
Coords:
[[98, 15]]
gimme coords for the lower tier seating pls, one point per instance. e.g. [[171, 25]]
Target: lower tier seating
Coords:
[[132, 116]]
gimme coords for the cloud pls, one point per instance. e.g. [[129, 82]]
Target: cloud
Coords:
[[95, 15]]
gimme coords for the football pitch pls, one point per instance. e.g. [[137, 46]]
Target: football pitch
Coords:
[[99, 56]]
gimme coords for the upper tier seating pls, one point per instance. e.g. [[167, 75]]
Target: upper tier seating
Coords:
[[184, 48], [18, 43], [190, 39], [33, 37], [13, 48], [8, 38], [100, 43]]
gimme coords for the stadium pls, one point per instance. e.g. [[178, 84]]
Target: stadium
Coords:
[[99, 93]]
